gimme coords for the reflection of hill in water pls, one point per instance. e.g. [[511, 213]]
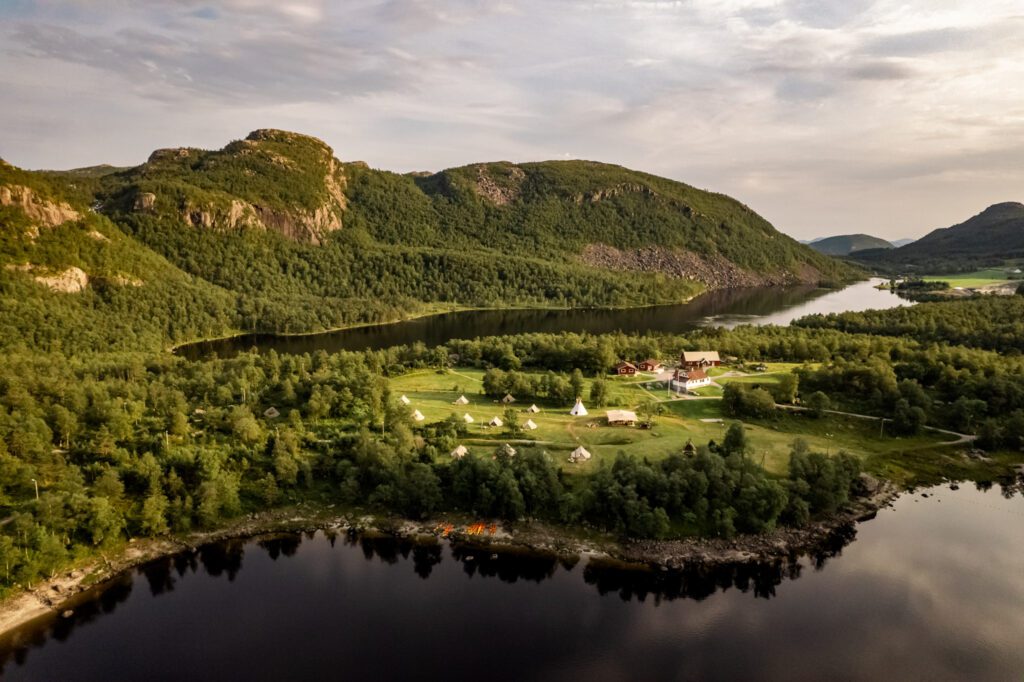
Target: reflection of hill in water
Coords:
[[226, 559]]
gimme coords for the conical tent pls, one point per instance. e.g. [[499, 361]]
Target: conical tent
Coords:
[[462, 400], [508, 450], [466, 418], [496, 422], [580, 454], [271, 413], [533, 408], [508, 399], [578, 410], [404, 400], [460, 452], [418, 416], [529, 425]]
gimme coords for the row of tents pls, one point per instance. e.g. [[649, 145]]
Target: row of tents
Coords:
[[580, 454]]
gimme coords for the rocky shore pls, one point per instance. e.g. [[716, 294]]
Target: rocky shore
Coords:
[[58, 596]]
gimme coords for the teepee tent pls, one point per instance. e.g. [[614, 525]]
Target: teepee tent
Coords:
[[271, 413], [533, 408], [508, 399], [578, 410], [529, 425], [418, 416], [404, 400], [466, 418], [580, 454], [495, 422], [508, 450], [462, 400], [460, 452]]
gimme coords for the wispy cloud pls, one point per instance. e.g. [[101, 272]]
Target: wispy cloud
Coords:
[[826, 116]]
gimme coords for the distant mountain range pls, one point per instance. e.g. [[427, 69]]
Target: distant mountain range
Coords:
[[989, 238], [845, 244]]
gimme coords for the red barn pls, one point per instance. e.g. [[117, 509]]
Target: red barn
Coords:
[[627, 368]]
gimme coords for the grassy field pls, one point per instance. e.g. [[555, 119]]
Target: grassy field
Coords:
[[978, 278], [699, 420]]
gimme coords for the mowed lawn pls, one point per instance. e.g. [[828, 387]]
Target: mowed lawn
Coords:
[[699, 420]]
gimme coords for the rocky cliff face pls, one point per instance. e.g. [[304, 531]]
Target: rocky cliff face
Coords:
[[716, 271], [272, 180], [42, 212]]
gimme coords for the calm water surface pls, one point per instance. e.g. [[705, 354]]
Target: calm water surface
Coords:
[[932, 589], [769, 305]]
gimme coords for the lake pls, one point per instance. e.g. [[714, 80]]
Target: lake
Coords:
[[727, 308], [931, 589]]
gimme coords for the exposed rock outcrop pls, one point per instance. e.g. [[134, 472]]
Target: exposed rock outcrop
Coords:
[[69, 281], [716, 271], [499, 183], [40, 211], [145, 202], [614, 191]]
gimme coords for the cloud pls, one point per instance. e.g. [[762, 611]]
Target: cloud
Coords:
[[791, 105]]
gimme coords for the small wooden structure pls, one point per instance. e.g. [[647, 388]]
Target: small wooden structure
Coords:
[[621, 418], [625, 368], [650, 365], [700, 358]]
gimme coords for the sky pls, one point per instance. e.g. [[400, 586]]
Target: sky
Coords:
[[826, 117]]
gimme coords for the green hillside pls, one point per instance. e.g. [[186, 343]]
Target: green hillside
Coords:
[[845, 244], [989, 238], [273, 233], [70, 280]]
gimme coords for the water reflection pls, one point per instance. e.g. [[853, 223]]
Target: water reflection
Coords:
[[928, 590], [764, 305]]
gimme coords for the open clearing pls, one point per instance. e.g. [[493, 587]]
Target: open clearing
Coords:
[[433, 394]]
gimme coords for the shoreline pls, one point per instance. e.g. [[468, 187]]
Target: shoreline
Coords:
[[50, 599], [173, 349]]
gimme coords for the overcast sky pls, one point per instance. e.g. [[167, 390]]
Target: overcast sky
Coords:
[[828, 117]]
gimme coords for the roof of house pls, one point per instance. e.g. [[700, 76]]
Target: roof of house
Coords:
[[650, 361], [696, 374], [625, 364], [699, 355], [621, 416]]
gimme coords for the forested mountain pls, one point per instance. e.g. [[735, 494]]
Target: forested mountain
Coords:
[[992, 236], [274, 233], [845, 244]]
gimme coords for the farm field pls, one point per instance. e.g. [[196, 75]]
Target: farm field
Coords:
[[683, 419], [978, 278]]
